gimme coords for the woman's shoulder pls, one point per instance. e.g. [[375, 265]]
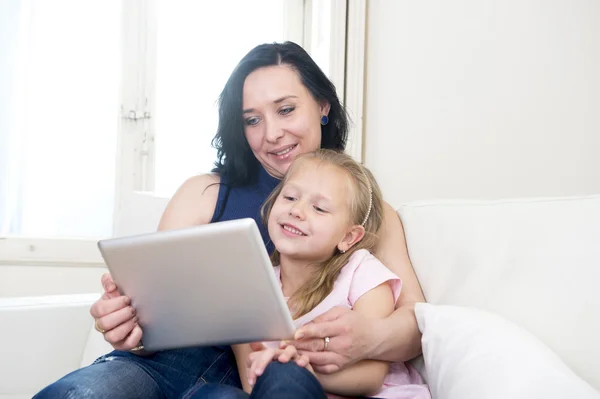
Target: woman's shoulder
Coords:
[[202, 180], [202, 187], [193, 203]]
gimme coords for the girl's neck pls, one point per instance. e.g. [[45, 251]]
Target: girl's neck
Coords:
[[294, 273]]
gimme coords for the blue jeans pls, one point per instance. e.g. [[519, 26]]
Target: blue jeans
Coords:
[[166, 374], [279, 380]]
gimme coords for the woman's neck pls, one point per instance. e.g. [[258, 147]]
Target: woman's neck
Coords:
[[294, 273]]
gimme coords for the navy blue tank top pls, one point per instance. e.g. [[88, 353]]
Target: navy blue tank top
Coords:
[[245, 202]]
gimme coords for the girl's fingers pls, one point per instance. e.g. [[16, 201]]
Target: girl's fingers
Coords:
[[259, 361], [302, 360], [288, 353]]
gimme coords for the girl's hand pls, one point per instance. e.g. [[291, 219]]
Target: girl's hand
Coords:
[[261, 357], [350, 339], [115, 317]]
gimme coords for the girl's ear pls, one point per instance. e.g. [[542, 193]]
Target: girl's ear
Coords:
[[354, 235]]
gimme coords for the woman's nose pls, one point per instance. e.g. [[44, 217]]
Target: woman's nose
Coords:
[[273, 132]]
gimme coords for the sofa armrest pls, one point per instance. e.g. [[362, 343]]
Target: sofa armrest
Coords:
[[41, 339]]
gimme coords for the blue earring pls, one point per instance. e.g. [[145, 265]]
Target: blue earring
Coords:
[[324, 120]]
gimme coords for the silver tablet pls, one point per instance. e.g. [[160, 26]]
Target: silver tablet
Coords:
[[206, 285]]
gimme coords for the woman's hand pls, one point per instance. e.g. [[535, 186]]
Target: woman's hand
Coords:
[[261, 356], [115, 318], [351, 339]]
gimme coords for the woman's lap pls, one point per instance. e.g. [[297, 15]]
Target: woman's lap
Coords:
[[165, 374]]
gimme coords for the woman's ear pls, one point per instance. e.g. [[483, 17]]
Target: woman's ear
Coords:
[[325, 107], [354, 235]]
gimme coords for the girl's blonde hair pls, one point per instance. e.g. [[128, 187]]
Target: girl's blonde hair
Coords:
[[366, 209]]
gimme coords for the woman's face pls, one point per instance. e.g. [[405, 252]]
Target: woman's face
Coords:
[[281, 117]]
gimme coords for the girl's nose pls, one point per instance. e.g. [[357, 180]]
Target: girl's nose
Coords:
[[297, 210]]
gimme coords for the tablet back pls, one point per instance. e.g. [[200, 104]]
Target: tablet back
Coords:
[[206, 285]]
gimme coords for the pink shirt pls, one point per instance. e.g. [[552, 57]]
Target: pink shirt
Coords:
[[363, 273]]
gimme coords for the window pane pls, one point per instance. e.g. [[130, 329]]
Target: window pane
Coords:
[[198, 46], [68, 131]]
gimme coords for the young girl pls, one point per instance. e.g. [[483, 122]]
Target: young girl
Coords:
[[323, 219]]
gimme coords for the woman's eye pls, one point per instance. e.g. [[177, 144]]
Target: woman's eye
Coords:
[[252, 121], [288, 198], [286, 111]]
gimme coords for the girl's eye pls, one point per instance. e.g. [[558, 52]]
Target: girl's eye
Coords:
[[288, 198], [286, 110], [252, 121], [321, 210]]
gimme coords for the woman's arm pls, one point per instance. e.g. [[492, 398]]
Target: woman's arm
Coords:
[[367, 376], [395, 338], [242, 352]]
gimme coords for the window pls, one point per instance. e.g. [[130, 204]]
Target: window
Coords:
[[107, 107], [58, 127], [198, 44]]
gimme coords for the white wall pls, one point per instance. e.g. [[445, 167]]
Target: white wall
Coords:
[[483, 99]]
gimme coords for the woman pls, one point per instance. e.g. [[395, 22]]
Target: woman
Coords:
[[276, 105]]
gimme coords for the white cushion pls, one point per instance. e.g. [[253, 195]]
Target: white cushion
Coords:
[[42, 339], [474, 354], [95, 347], [535, 262]]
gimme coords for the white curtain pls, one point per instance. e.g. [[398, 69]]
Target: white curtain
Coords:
[[59, 79], [10, 23], [199, 43]]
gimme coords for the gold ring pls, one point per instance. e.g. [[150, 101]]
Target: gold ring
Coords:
[[137, 348], [98, 328], [326, 343]]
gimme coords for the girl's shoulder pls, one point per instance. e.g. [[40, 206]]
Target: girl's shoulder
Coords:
[[361, 259], [363, 272]]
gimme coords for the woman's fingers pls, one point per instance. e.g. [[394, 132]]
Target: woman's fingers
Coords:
[[120, 332], [109, 286], [131, 341], [115, 319], [103, 307]]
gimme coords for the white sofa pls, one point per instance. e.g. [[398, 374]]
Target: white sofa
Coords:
[[531, 262]]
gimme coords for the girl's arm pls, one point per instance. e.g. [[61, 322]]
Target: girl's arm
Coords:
[[241, 352], [367, 376]]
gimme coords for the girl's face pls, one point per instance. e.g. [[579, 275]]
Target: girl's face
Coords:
[[310, 218], [281, 117]]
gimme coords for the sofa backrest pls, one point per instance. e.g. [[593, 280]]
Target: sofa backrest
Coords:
[[535, 262]]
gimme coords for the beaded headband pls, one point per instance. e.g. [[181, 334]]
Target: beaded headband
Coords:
[[370, 200]]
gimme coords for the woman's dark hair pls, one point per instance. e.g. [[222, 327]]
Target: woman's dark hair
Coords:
[[235, 159]]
